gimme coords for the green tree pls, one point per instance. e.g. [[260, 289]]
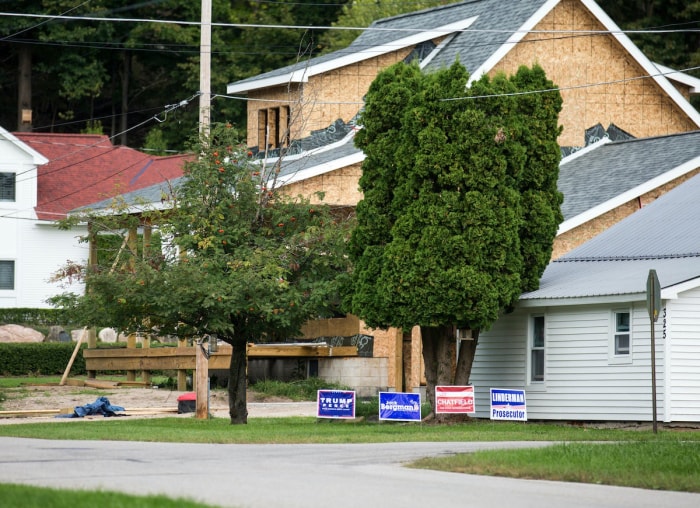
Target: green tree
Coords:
[[460, 204], [245, 264]]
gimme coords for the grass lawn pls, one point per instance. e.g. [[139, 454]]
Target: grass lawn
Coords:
[[668, 460]]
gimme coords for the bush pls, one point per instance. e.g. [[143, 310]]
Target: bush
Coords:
[[39, 358], [35, 317]]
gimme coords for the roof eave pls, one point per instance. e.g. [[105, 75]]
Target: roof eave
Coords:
[[302, 75]]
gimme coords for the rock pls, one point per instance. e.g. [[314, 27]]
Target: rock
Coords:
[[54, 334], [17, 333], [108, 335]]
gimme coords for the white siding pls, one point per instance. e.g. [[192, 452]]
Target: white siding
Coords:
[[683, 344], [37, 249], [581, 381]]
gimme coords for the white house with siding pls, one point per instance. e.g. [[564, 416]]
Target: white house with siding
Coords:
[[580, 345], [31, 250]]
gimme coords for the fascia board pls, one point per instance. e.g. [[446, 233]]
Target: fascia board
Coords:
[[514, 39], [633, 193], [691, 82], [585, 150], [672, 292], [643, 61], [321, 169], [586, 300], [37, 158], [302, 75]]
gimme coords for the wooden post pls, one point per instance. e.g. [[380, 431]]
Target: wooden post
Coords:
[[131, 344], [181, 373], [398, 359], [146, 374], [201, 380], [72, 358]]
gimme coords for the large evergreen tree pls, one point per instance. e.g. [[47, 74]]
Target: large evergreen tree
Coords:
[[460, 204]]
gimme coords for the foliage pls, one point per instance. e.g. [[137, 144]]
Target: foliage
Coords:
[[35, 317], [460, 203], [244, 262], [45, 358], [303, 389]]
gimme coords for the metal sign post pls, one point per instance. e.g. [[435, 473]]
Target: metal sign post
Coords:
[[653, 305]]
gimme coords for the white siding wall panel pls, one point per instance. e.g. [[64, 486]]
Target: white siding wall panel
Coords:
[[581, 381], [683, 336]]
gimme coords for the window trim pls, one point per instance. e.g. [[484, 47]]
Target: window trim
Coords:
[[532, 349], [615, 356], [13, 276], [273, 128]]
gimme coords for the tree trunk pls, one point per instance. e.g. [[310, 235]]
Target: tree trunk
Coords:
[[438, 355], [238, 382], [467, 350], [125, 76], [24, 88]]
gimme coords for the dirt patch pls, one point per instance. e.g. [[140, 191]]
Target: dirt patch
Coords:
[[43, 401]]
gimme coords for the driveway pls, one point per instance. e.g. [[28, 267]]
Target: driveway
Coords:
[[301, 476]]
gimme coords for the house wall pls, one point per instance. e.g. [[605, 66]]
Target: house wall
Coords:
[[571, 239], [340, 187], [680, 323], [38, 249], [583, 380], [323, 99], [639, 106]]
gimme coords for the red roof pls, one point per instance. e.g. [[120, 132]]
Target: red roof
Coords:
[[87, 168]]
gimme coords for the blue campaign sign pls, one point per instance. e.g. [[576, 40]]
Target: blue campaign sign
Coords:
[[508, 404], [335, 404], [399, 406]]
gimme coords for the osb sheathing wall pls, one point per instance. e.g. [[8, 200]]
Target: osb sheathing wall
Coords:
[[323, 99], [578, 60], [571, 239], [340, 187]]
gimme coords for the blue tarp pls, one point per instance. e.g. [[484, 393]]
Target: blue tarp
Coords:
[[101, 406]]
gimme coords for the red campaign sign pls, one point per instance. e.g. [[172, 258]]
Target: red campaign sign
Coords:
[[454, 399]]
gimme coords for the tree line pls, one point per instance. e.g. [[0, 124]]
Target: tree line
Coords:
[[114, 77]]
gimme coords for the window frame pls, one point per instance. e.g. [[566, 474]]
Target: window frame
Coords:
[[536, 352], [273, 128], [8, 183], [617, 354], [13, 275]]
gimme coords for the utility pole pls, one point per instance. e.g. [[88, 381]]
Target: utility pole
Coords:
[[205, 68]]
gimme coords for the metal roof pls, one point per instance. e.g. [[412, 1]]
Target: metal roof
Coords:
[[663, 236]]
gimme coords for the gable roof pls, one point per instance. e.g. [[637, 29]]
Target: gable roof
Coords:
[[84, 168], [662, 236], [480, 34], [605, 175]]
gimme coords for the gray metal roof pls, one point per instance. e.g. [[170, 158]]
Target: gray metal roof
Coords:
[[497, 21], [663, 236], [603, 173]]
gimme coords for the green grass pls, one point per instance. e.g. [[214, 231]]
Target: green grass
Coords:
[[22, 496], [304, 389], [659, 465]]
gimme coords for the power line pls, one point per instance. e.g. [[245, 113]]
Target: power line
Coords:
[[306, 27]]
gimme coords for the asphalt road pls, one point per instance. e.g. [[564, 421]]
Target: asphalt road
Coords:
[[301, 476]]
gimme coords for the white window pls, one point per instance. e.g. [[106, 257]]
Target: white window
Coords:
[[7, 186], [622, 333], [7, 275], [537, 344]]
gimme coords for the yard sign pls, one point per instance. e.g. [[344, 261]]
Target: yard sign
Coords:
[[399, 406], [454, 399], [508, 404], [335, 404]]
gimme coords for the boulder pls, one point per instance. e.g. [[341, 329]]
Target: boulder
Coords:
[[54, 334], [17, 333], [108, 335]]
